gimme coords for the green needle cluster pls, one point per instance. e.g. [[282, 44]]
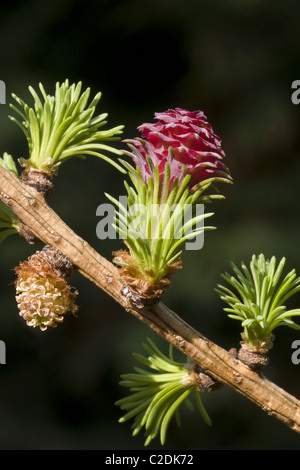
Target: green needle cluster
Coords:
[[158, 219], [258, 298], [157, 393], [8, 220], [63, 126]]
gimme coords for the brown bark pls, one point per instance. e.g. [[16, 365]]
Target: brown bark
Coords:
[[46, 225]]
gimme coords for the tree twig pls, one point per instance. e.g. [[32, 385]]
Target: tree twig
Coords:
[[45, 224]]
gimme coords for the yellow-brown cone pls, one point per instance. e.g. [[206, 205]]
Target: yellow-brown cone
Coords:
[[42, 293]]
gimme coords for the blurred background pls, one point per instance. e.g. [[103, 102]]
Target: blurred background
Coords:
[[236, 61]]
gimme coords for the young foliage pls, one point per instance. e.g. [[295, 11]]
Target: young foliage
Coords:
[[258, 298], [158, 392], [158, 220], [8, 220], [62, 126]]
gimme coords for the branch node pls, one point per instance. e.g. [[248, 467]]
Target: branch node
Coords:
[[255, 359], [39, 180], [204, 381], [27, 234]]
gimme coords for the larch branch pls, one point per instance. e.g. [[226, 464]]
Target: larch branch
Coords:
[[45, 224]]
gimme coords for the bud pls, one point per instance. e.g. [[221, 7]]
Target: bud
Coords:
[[42, 292]]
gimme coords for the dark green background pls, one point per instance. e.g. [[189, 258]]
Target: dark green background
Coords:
[[235, 60]]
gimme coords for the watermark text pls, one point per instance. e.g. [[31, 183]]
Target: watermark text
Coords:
[[2, 352], [2, 92], [296, 94], [156, 221], [296, 354]]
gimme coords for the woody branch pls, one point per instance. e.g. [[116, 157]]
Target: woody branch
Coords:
[[47, 226]]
